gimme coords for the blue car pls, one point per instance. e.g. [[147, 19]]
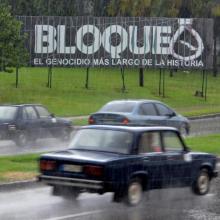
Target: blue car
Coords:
[[141, 112], [126, 161]]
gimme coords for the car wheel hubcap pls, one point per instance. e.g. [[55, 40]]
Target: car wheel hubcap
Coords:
[[134, 193], [65, 136], [22, 139], [203, 183], [183, 131]]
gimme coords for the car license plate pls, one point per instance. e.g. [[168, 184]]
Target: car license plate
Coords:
[[72, 168]]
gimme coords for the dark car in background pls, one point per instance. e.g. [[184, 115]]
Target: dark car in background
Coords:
[[140, 112], [127, 161], [26, 123]]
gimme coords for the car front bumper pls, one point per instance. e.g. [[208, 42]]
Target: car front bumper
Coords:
[[72, 182]]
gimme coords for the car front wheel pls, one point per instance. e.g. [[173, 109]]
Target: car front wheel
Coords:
[[183, 131], [134, 192], [202, 183]]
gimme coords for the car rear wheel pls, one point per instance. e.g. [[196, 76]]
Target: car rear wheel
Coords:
[[21, 139], [134, 192], [65, 135], [202, 183]]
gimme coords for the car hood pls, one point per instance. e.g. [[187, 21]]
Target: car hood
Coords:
[[63, 120], [183, 118], [202, 155], [83, 156]]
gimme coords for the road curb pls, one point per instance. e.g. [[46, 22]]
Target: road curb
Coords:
[[27, 184], [204, 116]]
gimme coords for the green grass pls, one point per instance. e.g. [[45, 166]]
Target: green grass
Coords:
[[68, 95], [209, 143], [22, 167], [19, 167], [80, 122]]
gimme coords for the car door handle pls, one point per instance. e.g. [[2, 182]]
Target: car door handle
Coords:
[[173, 158], [146, 160]]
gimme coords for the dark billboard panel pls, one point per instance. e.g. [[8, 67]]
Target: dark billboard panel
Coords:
[[119, 41]]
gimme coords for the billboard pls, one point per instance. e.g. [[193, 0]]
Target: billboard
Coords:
[[119, 41]]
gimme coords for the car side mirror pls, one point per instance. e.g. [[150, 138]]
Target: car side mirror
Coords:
[[187, 149], [170, 115]]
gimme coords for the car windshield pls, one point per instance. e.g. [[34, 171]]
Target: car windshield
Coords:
[[7, 112], [118, 107], [103, 140]]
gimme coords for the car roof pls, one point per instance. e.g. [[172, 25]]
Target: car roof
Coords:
[[134, 100], [131, 128]]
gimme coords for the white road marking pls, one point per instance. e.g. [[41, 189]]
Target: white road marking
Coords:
[[210, 195], [75, 215]]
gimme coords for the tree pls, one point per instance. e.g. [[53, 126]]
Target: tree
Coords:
[[164, 8], [216, 10], [12, 50], [147, 8]]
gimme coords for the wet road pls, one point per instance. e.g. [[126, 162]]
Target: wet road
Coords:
[[205, 126], [43, 145], [167, 204]]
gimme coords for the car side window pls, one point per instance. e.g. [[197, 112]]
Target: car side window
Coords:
[[147, 109], [163, 110], [43, 112], [149, 142], [24, 114], [29, 113], [172, 141]]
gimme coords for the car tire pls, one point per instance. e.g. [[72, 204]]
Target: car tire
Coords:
[[65, 135], [67, 193], [183, 130], [134, 193], [3, 135], [21, 139], [202, 183], [118, 196]]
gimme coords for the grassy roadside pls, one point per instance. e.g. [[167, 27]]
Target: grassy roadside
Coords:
[[19, 167], [208, 143], [24, 167], [68, 95], [80, 122]]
